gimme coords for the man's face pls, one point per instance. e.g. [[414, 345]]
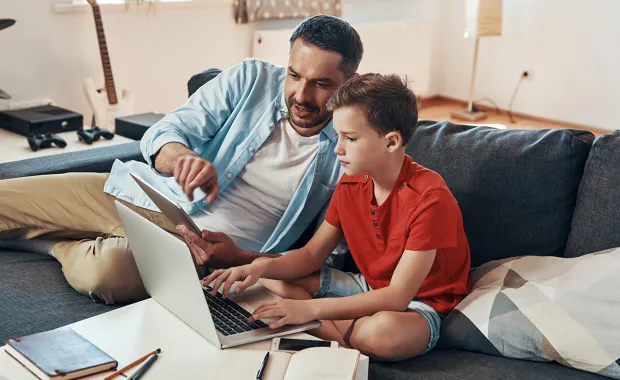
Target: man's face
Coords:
[[313, 76], [360, 148]]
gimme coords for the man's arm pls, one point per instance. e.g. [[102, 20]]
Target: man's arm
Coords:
[[410, 272], [208, 249], [165, 160], [217, 250], [294, 265], [197, 121]]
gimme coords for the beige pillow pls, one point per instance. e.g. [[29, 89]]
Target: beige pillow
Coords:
[[544, 309]]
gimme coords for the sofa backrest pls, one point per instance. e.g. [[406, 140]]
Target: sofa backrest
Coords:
[[516, 188], [91, 160], [596, 221]]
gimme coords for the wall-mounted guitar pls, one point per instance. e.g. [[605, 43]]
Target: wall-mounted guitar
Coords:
[[106, 105]]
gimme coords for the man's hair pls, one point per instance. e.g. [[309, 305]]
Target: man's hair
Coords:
[[332, 34], [389, 104]]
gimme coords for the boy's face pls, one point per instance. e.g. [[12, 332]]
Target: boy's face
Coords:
[[360, 148], [313, 76]]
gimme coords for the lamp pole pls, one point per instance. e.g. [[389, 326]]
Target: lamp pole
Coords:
[[470, 106]]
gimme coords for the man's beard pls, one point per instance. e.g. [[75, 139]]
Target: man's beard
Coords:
[[307, 124]]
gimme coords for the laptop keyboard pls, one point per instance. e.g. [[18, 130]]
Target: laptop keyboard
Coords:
[[229, 318]]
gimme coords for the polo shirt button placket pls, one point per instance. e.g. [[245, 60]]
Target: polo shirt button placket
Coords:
[[374, 222]]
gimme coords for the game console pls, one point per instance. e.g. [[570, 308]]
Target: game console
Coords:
[[40, 120]]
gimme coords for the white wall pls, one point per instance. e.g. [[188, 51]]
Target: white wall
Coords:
[[572, 49], [47, 54]]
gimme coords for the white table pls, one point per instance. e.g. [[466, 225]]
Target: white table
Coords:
[[132, 331], [14, 147]]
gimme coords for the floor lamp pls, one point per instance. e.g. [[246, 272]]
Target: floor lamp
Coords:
[[5, 23], [483, 19]]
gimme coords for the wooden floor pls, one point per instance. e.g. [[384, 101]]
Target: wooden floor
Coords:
[[439, 108]]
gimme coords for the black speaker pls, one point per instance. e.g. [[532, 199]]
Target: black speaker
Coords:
[[134, 126]]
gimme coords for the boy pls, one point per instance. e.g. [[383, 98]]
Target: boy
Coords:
[[403, 227]]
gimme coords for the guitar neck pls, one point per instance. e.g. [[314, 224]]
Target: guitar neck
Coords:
[[105, 58]]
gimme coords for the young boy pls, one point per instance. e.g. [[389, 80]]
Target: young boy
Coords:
[[403, 227]]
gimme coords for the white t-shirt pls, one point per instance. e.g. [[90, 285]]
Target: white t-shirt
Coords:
[[252, 205]]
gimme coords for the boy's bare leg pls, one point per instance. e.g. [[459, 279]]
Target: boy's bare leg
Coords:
[[387, 335], [301, 290]]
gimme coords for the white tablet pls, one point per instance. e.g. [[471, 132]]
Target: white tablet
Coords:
[[168, 207]]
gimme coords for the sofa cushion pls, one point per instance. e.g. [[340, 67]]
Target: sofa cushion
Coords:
[[596, 222], [463, 365], [523, 308], [516, 188], [35, 296]]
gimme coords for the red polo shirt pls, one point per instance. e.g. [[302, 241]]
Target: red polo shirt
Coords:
[[420, 214]]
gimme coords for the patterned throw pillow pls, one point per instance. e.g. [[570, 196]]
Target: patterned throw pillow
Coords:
[[544, 309]]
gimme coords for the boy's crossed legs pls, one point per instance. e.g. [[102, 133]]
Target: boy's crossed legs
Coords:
[[386, 335]]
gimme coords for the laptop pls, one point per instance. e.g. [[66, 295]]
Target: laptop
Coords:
[[169, 275]]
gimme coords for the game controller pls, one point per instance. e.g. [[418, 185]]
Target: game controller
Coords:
[[93, 134], [41, 141]]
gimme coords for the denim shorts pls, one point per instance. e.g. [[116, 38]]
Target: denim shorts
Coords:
[[335, 283]]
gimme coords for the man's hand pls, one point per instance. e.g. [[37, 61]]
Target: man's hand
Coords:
[[192, 172], [214, 249], [248, 274], [291, 312]]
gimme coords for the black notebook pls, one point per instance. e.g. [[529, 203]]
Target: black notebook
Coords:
[[59, 354]]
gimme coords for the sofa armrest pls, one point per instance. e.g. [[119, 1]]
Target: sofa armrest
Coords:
[[98, 160]]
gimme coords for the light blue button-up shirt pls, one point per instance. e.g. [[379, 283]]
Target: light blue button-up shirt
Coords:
[[227, 121]]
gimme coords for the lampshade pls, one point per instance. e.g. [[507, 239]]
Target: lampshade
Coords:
[[483, 18]]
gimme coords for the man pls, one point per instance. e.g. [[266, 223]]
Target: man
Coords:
[[250, 155]]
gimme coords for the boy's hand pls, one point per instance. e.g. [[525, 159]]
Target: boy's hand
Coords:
[[291, 312], [248, 274]]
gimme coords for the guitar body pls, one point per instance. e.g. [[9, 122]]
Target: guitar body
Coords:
[[106, 113], [106, 105]]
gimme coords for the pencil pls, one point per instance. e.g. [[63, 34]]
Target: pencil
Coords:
[[131, 365], [147, 364]]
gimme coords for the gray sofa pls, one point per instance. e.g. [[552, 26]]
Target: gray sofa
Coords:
[[550, 192]]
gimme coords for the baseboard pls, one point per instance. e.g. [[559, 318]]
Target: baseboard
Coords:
[[433, 100]]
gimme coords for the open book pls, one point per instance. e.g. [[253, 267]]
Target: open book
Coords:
[[324, 363]]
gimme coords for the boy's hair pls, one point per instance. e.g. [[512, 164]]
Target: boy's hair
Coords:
[[332, 34], [389, 104]]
